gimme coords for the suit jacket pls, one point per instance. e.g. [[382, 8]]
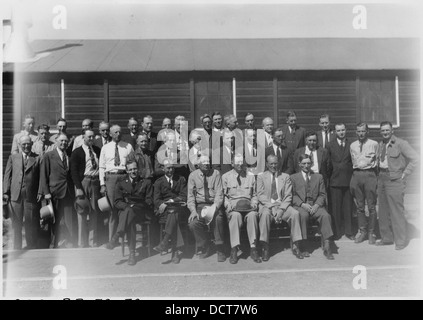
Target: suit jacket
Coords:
[[99, 142], [132, 140], [332, 136], [70, 145], [296, 141], [322, 158], [264, 190], [163, 192], [140, 195], [287, 163], [154, 143], [54, 178], [181, 163], [145, 170], [340, 164], [14, 175], [317, 187], [77, 165]]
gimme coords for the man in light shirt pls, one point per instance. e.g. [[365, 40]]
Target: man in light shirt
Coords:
[[43, 144], [28, 130], [87, 124], [325, 135], [113, 158], [167, 123], [104, 138], [268, 131]]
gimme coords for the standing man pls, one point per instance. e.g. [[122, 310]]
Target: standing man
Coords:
[[326, 135], [217, 122], [275, 196], [134, 200], [143, 157], [249, 121], [57, 186], [28, 124], [231, 123], [363, 184], [181, 134], [167, 123], [397, 160], [104, 130], [20, 186], [147, 128], [294, 134], [131, 137], [43, 144], [253, 161], [113, 159], [205, 190], [268, 131], [238, 185], [168, 190], [87, 124], [84, 170], [62, 126], [207, 135], [309, 196], [340, 173], [279, 149]]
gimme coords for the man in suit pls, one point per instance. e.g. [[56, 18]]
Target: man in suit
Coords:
[[57, 186], [20, 186], [134, 200], [87, 124], [231, 123], [268, 131], [275, 196], [207, 135], [43, 144], [309, 196], [222, 160], [217, 122], [84, 171], [28, 124], [143, 157], [147, 128], [104, 130], [279, 149], [62, 126], [166, 123], [253, 160], [319, 156], [294, 134], [397, 160], [170, 189], [237, 185], [340, 173], [131, 137], [325, 135], [205, 190]]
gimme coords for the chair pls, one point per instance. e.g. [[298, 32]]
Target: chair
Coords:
[[144, 226]]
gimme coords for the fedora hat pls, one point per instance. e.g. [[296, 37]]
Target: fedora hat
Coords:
[[208, 213], [47, 211], [243, 205], [82, 203], [104, 204]]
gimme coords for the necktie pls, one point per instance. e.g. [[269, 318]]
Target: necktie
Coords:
[[279, 154], [326, 139], [170, 182], [206, 189], [65, 162], [382, 158], [93, 163], [25, 161], [311, 157], [274, 192], [361, 147], [117, 158], [307, 187], [239, 180]]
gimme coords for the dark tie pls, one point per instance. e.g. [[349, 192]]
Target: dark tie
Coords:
[[311, 156], [274, 191], [382, 158], [93, 163], [308, 191], [117, 158], [26, 161], [206, 189], [239, 180], [326, 139], [65, 162], [279, 154], [361, 147]]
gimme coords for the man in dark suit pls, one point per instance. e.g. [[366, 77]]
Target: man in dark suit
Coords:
[[340, 172], [57, 186], [131, 137], [294, 134], [104, 130], [147, 127], [134, 200], [284, 154], [325, 135], [84, 171], [20, 186], [169, 190], [62, 126], [309, 198]]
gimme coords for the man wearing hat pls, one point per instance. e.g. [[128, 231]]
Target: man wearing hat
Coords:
[[275, 196], [84, 170], [20, 186], [241, 207], [169, 191], [134, 200], [205, 196]]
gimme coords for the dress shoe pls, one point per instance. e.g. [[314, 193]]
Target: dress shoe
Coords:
[[303, 251], [350, 237], [131, 259], [381, 243], [254, 255], [161, 247], [360, 237], [114, 242], [234, 256], [265, 254], [176, 257], [372, 239], [327, 251], [205, 253], [400, 247], [221, 257], [297, 253]]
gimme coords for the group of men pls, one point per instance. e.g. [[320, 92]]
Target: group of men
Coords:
[[215, 178]]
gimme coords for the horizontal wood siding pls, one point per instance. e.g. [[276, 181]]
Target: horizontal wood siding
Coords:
[[159, 100], [8, 130], [255, 97]]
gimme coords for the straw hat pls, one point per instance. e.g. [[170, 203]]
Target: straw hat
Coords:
[[208, 213], [243, 205], [104, 204], [47, 211], [82, 203]]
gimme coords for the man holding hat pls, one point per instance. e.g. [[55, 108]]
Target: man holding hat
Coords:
[[20, 186], [241, 206], [84, 171], [205, 196], [170, 191]]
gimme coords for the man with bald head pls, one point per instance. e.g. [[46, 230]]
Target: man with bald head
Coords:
[[20, 187], [166, 123], [113, 158], [87, 124], [56, 185]]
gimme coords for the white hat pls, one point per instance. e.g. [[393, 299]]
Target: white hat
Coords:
[[208, 213], [104, 204], [47, 211]]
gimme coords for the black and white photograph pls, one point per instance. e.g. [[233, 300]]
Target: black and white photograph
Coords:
[[259, 150]]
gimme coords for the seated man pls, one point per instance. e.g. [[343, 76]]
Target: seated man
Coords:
[[309, 194], [238, 186], [205, 189], [275, 197], [134, 200], [169, 190]]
